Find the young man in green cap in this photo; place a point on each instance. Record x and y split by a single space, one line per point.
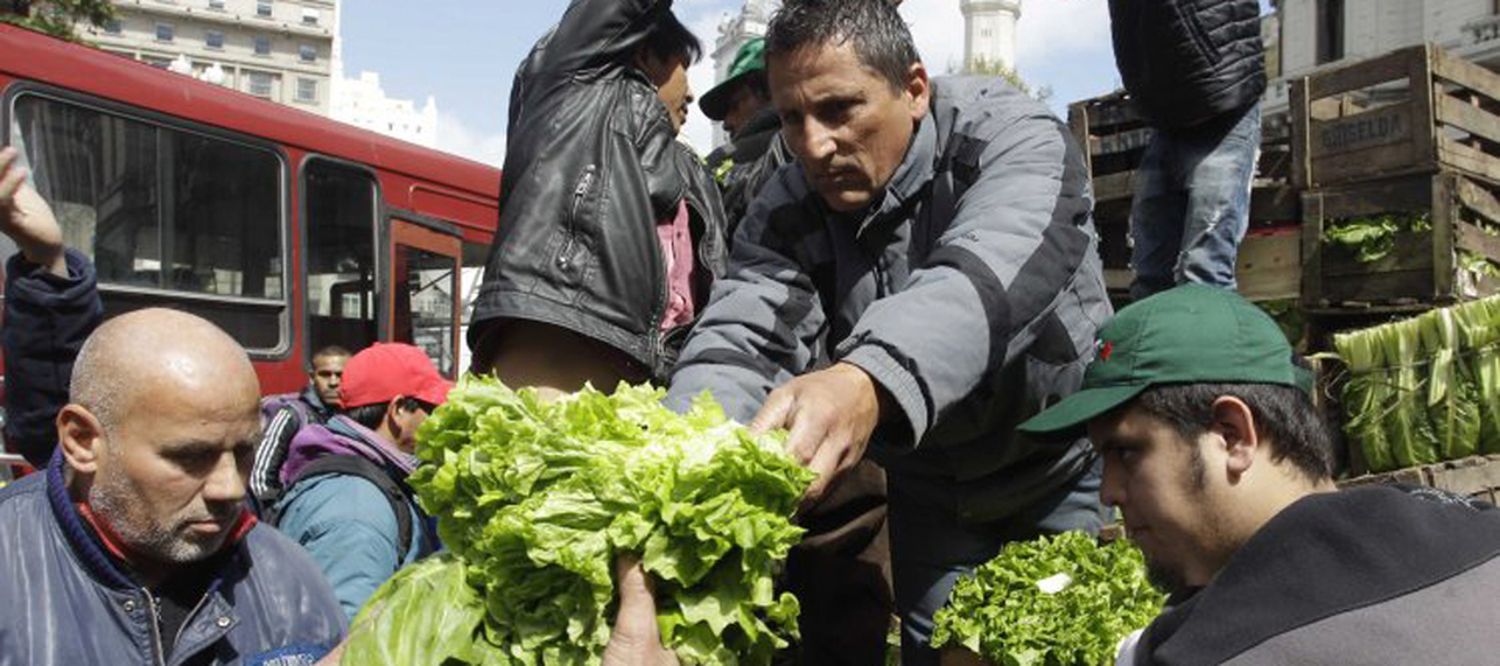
742 103
1222 469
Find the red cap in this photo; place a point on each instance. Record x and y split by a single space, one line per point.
388 369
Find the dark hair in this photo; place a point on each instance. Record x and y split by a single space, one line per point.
669 38
875 29
331 350
371 415
1283 414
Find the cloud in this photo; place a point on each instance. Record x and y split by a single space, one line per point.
457 137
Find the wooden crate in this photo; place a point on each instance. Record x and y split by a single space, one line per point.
1423 268
1475 476
1414 110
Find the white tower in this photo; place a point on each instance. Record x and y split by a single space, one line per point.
990 32
734 31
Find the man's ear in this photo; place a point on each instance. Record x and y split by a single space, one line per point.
1234 422
81 437
918 91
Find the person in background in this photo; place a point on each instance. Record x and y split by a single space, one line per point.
607 238
920 280
742 102
346 499
1196 70
286 415
137 534
51 307
1222 469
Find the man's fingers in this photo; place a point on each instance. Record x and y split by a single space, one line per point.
10 184
828 463
808 430
773 414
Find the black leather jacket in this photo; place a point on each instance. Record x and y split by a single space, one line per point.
1186 62
591 165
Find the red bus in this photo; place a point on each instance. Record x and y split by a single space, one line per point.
289 230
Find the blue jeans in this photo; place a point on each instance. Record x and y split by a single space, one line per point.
1192 204
931 548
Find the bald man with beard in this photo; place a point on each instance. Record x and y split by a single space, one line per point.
134 544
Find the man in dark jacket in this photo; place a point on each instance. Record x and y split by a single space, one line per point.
923 278
136 536
742 102
51 306
1196 69
607 240
314 405
1222 466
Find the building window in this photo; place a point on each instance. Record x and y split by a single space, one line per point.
309 16
164 32
1330 23
213 39
216 4
307 53
263 46
260 84
112 26
167 216
307 90
263 8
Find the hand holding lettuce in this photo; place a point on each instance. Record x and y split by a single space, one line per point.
537 499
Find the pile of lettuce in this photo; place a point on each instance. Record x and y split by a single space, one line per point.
1058 601
536 500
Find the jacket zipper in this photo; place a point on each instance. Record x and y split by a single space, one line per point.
565 258
199 606
158 651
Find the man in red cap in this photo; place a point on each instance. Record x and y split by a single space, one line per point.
347 501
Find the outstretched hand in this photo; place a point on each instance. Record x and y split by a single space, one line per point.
27 219
830 414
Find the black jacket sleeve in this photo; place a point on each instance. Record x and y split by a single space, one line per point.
47 318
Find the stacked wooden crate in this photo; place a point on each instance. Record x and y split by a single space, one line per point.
1411 138
1114 136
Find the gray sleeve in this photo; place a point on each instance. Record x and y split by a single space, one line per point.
759 328
1015 242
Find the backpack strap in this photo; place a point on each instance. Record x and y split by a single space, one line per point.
394 491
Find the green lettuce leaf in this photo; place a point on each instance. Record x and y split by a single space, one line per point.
1060 600
537 499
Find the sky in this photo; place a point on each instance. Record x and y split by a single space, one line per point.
464 52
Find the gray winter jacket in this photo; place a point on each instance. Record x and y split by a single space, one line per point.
67 603
971 292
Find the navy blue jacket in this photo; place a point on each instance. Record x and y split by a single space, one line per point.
67 602
47 318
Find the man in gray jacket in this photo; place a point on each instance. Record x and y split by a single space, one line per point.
923 278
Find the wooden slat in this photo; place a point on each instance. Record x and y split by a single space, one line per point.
1114 186
1269 267
1468 117
1466 74
1415 285
1312 248
1368 164
1386 125
1423 117
1408 193
1473 239
1366 73
1301 167
1467 159
1444 217
1479 200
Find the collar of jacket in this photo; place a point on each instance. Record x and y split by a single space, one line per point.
910 182
322 409
93 553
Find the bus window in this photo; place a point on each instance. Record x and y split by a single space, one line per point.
168 216
340 256
425 286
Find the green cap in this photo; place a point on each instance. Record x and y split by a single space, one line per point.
1191 334
749 60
